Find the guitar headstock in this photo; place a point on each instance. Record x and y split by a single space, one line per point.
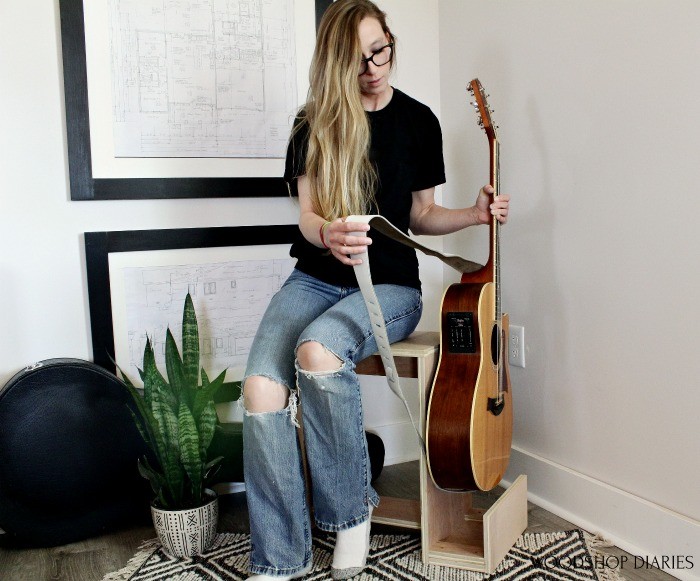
482 108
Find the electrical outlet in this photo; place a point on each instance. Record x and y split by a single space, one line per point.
516 345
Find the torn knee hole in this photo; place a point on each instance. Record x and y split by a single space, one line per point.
264 395
290 410
313 357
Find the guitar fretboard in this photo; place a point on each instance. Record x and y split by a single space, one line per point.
496 236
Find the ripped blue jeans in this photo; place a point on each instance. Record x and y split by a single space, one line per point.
306 309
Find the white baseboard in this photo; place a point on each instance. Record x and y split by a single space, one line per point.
645 530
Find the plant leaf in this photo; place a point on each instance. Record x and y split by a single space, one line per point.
123 376
154 381
155 478
207 393
218 382
168 447
209 465
207 425
211 470
151 475
144 420
189 450
150 375
140 425
190 344
173 365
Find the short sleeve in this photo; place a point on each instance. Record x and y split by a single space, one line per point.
429 162
295 163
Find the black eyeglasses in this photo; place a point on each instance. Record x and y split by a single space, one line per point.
379 57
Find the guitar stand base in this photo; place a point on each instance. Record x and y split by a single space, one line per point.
454 533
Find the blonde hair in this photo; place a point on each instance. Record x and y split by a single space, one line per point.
341 175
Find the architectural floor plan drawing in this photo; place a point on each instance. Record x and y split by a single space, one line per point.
202 78
229 300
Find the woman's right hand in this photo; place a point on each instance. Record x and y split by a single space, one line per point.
336 234
342 244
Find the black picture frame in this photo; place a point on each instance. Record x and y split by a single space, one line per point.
99 245
82 184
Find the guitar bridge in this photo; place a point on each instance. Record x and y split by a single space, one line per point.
495 405
460 332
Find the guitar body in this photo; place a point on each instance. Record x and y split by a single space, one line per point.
469 424
491 435
468 446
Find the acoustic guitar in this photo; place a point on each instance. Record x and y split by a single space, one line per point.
470 416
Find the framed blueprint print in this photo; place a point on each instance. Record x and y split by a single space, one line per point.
138 281
184 98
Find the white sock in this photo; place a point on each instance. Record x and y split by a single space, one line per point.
352 545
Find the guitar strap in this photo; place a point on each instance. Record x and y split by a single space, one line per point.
364 280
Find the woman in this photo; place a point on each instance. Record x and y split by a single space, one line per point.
359 146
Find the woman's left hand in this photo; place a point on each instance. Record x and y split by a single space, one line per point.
487 205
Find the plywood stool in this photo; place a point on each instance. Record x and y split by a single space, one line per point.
453 532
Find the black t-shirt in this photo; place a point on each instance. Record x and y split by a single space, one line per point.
406 149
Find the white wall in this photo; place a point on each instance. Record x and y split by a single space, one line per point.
600 132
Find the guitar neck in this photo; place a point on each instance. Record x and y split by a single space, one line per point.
491 272
495 229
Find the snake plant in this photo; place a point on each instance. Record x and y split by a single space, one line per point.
177 419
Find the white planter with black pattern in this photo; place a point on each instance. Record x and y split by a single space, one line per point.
188 532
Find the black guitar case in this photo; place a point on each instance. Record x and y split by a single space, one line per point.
68 452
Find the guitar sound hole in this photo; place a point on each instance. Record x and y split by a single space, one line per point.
494 344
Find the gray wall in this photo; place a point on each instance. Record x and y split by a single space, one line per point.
600 132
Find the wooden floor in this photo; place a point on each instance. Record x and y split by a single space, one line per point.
90 560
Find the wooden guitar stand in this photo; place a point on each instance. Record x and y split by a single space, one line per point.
453 532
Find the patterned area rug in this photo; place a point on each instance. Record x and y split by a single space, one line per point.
558 555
